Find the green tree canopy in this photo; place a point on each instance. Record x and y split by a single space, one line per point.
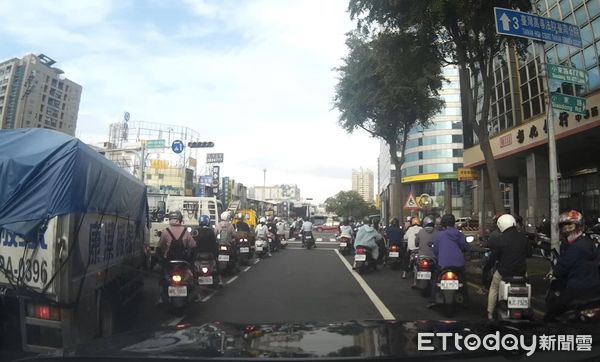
349 203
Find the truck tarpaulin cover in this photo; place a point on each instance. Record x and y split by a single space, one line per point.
45 173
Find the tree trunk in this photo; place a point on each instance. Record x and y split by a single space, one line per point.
492 171
398 196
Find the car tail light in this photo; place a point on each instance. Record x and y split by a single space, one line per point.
424 264
43 311
394 248
360 251
449 276
591 313
223 248
204 270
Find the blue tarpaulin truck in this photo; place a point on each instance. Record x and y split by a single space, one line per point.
73 238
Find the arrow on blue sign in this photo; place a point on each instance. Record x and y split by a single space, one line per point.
525 25
177 146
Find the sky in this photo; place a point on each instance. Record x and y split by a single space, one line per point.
256 77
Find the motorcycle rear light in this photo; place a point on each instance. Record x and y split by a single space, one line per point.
42 311
592 313
424 264
393 248
176 278
516 314
449 276
204 270
223 247
518 290
360 251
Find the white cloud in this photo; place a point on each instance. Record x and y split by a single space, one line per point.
254 76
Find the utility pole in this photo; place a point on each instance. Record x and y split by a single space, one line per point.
552 158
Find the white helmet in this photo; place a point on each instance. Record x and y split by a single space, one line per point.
225 216
263 220
506 221
240 216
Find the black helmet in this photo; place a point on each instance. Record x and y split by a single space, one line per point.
428 220
448 220
367 220
176 215
395 222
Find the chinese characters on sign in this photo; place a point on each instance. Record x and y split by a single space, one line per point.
563 102
214 158
467 174
520 136
566 74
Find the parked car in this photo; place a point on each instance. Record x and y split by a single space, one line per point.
466 222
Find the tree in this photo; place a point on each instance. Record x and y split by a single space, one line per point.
389 84
466 36
349 203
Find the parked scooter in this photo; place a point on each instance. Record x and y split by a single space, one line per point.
178 284
363 260
422 274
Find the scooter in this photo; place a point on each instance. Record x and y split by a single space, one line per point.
450 290
363 260
393 259
227 259
272 243
514 300
579 310
206 270
309 240
261 248
345 245
243 248
422 274
178 284
283 243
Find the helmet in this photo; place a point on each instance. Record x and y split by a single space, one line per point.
247 217
176 215
367 220
408 219
428 221
448 220
395 222
240 216
263 220
570 217
204 220
276 219
505 222
225 216
415 221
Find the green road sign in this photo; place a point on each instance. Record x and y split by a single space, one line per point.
155 144
566 74
563 102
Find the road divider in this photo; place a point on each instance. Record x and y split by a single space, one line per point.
381 308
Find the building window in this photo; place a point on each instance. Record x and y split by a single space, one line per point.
54 82
565 8
161 176
532 99
41 107
593 7
149 177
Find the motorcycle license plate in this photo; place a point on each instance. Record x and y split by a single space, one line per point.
394 254
343 245
244 250
223 257
178 291
360 257
205 280
518 302
449 285
423 275
259 248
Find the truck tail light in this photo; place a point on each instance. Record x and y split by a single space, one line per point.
43 311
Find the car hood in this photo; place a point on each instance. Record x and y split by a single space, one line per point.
363 339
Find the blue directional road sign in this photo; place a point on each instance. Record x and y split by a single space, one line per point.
177 146
525 25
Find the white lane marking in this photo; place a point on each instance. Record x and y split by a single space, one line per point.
383 310
231 280
256 261
208 297
332 239
328 249
480 288
319 239
246 269
175 321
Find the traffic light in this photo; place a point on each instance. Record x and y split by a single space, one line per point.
201 144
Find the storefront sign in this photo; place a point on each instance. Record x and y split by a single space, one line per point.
430 177
467 174
159 164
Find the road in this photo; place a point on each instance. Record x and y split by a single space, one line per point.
298 285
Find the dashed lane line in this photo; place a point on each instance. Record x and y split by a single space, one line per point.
175 321
383 310
231 280
246 269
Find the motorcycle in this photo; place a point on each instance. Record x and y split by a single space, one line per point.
227 259
364 260
345 245
261 248
308 240
450 290
243 248
422 273
579 310
283 243
272 242
178 282
514 300
393 259
206 270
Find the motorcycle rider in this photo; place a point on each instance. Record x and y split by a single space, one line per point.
577 266
272 227
176 243
448 247
306 229
261 232
225 233
409 243
345 230
368 237
394 233
380 241
241 225
280 229
425 236
510 249
206 242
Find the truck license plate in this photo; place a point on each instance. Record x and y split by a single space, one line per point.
343 245
244 250
423 275
360 257
518 302
205 280
223 257
394 254
178 291
449 285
